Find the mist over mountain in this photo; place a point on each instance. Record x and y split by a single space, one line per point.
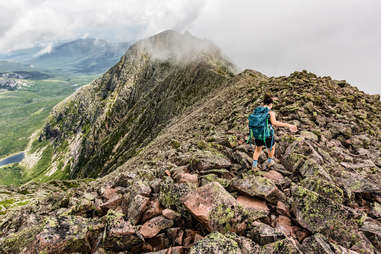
151 158
80 56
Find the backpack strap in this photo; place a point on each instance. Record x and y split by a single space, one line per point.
250 136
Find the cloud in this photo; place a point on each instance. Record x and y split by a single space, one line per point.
47 50
336 38
25 23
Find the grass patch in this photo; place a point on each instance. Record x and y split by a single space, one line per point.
11 174
24 111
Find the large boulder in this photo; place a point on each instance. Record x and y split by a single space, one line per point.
218 210
258 186
323 215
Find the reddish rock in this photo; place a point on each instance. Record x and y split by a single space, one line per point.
136 208
257 186
159 242
253 203
114 202
175 235
275 176
198 237
176 250
282 209
108 192
152 227
283 223
300 233
170 214
147 247
153 210
187 178
121 228
211 202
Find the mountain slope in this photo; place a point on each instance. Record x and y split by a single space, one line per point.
78 56
108 121
189 190
82 55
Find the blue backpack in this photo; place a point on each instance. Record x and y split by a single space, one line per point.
259 124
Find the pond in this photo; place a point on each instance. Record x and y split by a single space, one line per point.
12 159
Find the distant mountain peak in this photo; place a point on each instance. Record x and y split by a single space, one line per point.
175 45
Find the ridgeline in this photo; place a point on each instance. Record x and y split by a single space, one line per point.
162 135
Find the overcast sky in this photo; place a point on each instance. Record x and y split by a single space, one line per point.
339 38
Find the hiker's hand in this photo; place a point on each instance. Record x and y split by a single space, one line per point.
292 128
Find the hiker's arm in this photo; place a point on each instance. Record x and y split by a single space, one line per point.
274 122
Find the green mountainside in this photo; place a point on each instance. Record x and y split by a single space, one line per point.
163 132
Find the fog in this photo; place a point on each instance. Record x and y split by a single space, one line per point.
337 38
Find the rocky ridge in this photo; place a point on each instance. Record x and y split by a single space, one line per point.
111 120
189 189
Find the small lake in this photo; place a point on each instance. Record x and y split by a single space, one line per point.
12 159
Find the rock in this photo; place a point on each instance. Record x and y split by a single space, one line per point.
254 204
275 177
282 209
175 235
257 186
170 214
136 208
189 237
317 243
159 242
140 188
218 210
207 160
264 234
216 243
172 194
114 202
187 178
357 183
372 230
243 159
152 227
323 215
375 210
213 178
309 136
153 210
325 188
283 224
285 246
300 233
66 233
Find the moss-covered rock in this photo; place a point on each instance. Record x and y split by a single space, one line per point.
216 243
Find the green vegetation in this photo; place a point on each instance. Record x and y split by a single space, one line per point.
23 111
10 174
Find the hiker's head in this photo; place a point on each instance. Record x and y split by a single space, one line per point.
268 100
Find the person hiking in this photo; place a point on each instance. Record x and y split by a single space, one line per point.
261 123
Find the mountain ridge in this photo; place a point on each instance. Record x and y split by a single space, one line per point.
188 189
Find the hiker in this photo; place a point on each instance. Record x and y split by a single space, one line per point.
261 123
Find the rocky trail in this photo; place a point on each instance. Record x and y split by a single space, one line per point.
190 189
